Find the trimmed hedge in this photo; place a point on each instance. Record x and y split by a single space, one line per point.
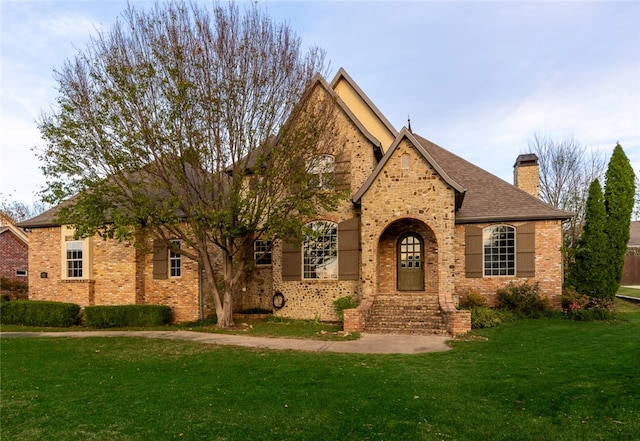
126 316
39 313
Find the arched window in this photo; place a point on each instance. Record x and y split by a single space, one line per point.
405 162
321 167
499 250
320 251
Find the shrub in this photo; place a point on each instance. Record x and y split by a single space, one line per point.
524 299
13 289
483 317
473 299
126 316
586 309
342 303
39 313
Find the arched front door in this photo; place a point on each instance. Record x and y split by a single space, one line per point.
410 263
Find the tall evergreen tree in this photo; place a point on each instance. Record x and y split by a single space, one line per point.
619 194
590 272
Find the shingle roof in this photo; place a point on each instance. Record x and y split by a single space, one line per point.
46 218
487 197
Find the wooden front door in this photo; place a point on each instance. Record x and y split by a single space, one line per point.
410 263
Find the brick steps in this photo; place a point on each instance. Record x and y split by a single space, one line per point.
405 314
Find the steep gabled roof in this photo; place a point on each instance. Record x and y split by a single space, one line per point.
489 198
362 97
404 133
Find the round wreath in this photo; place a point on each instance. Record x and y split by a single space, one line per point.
278 300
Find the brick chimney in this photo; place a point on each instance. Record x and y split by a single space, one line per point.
526 174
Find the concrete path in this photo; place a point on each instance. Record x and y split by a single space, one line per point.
366 344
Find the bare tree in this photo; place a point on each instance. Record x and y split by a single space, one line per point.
567 169
19 211
193 126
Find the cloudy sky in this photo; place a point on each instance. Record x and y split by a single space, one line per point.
478 78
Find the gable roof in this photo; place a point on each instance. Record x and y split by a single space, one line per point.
404 133
343 76
489 198
8 226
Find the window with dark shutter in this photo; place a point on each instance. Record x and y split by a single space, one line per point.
349 249
160 257
473 251
526 250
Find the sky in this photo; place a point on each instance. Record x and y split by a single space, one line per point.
477 78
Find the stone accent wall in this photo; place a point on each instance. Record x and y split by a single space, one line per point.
549 265
417 193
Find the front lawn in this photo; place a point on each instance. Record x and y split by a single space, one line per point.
549 379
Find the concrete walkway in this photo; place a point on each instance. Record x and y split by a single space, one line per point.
366 344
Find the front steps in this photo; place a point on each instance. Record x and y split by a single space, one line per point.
402 313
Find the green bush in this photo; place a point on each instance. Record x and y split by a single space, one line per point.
473 299
126 316
523 299
342 303
39 313
483 317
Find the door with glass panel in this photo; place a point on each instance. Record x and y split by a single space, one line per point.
410 263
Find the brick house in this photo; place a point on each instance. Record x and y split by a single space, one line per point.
421 228
14 248
631 270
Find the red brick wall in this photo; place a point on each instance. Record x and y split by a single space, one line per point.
13 256
548 271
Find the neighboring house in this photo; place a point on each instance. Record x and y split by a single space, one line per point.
421 228
631 272
14 248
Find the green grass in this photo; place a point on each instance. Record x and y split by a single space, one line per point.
549 379
255 327
631 292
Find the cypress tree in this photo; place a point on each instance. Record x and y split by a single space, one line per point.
590 272
619 194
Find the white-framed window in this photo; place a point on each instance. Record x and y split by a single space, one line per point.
322 168
499 250
320 251
262 252
175 260
74 259
21 273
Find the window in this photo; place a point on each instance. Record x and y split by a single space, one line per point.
21 273
410 252
262 252
320 251
321 167
175 260
405 162
499 251
74 259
